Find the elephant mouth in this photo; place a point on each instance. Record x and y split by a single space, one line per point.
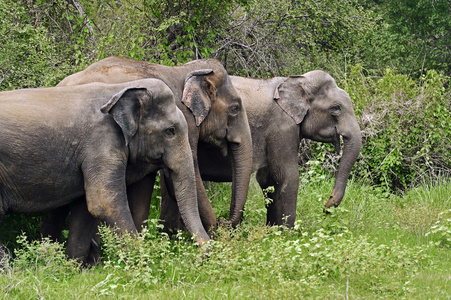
216 139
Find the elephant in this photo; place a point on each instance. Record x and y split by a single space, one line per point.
215 115
82 145
281 112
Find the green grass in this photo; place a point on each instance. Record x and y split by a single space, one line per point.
374 246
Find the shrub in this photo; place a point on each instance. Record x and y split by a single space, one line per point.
406 129
35 50
150 257
44 255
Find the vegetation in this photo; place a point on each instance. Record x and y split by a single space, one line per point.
391 236
371 247
405 126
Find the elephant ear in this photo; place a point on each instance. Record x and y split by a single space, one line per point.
199 93
125 108
292 96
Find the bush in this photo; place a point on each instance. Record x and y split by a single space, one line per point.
405 126
43 255
146 256
35 50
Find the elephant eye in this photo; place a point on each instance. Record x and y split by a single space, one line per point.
335 110
234 109
170 131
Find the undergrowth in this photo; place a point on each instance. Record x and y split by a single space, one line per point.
366 248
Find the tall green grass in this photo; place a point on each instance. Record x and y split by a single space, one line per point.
373 246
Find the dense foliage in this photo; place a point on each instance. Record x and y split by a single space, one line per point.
406 129
43 41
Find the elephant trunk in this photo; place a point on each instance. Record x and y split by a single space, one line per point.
241 174
351 150
182 175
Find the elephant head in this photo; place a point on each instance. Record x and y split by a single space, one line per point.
324 113
156 132
220 115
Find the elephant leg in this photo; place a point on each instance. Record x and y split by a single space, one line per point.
284 173
282 210
265 181
82 226
53 224
139 195
274 209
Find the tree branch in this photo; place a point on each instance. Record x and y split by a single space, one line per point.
86 19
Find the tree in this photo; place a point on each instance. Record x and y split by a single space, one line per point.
269 38
169 32
36 39
423 27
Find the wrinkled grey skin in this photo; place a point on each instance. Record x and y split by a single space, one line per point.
59 144
216 118
281 112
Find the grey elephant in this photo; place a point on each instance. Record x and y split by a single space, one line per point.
216 118
281 112
63 143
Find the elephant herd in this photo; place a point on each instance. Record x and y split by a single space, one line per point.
90 148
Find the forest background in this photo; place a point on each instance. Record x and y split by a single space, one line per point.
392 57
